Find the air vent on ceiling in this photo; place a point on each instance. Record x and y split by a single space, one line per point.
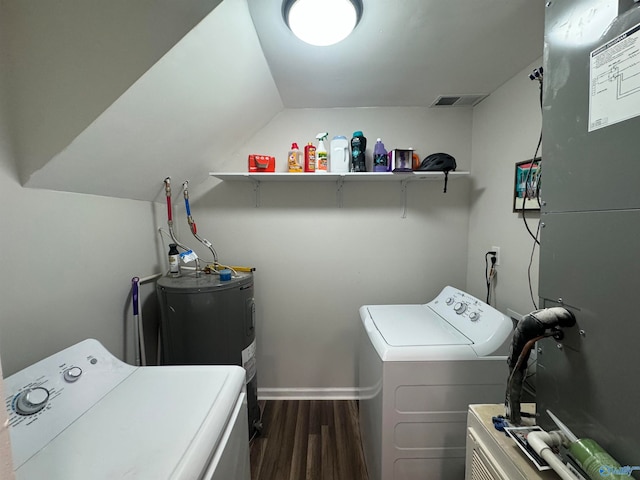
458 100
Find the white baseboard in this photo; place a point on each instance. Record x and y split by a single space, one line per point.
308 393
515 315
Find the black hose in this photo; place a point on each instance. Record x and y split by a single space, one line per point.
529 330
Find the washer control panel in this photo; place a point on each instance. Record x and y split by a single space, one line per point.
481 323
30 400
45 398
462 304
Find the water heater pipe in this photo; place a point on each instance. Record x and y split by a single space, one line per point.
193 227
542 442
167 189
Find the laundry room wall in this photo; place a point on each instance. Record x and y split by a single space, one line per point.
506 130
67 261
77 58
6 462
318 263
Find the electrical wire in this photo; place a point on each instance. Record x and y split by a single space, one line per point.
525 351
489 273
527 188
536 75
258 425
533 249
527 383
217 265
192 224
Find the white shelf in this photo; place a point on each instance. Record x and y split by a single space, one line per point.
403 178
335 177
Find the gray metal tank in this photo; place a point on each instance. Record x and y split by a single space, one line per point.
205 321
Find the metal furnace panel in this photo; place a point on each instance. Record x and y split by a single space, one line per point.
590 261
582 170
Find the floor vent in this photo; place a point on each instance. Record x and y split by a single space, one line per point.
458 100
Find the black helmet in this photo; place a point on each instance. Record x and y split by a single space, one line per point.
438 162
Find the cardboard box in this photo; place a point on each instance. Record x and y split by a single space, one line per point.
262 163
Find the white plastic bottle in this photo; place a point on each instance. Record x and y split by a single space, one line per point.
322 158
339 155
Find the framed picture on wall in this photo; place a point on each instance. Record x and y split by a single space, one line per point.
527 184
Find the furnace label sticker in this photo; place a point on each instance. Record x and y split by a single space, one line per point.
614 80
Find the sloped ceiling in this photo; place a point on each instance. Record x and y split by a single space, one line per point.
133 92
181 118
66 61
404 52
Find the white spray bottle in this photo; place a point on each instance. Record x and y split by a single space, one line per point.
322 160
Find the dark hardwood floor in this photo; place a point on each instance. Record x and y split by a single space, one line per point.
308 440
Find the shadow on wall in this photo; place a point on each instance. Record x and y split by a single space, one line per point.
475 195
420 195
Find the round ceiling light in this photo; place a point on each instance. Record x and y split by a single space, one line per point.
322 22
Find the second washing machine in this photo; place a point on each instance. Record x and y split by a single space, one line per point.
420 366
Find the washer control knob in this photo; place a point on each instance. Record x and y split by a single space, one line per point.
460 308
31 401
72 374
474 316
449 300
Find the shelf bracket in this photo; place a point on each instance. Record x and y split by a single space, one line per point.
256 192
403 191
339 184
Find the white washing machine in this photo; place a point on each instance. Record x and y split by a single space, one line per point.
83 414
420 366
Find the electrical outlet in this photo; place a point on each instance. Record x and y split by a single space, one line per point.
497 250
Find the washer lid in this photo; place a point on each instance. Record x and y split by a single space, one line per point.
414 325
159 423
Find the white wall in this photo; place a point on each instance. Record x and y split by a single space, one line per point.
317 263
71 256
506 130
182 115
67 261
6 462
70 60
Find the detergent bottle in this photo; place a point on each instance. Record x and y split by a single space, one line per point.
380 158
339 155
310 158
294 159
322 158
174 260
358 147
